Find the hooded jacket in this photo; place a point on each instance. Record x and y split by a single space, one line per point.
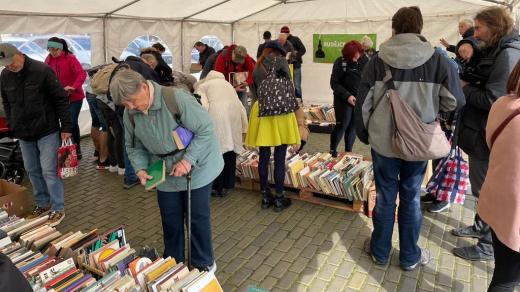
495 67
225 65
34 101
70 73
424 79
218 96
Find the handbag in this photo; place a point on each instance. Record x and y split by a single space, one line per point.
413 139
276 94
67 159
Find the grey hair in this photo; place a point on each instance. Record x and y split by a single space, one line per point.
126 82
468 22
151 59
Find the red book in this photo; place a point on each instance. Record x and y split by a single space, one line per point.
60 277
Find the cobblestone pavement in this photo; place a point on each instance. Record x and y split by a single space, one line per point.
305 248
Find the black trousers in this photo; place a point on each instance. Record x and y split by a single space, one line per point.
344 128
116 135
507 267
226 179
279 167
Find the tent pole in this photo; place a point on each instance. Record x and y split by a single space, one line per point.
233 33
182 45
205 9
122 7
105 47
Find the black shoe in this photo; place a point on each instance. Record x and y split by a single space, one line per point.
129 185
334 153
223 193
96 154
281 202
267 199
472 253
468 231
438 207
428 198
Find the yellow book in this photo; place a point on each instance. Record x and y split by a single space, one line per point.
295 168
163 268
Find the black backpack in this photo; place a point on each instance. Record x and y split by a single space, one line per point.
276 94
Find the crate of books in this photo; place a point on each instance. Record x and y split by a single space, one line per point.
342 182
320 118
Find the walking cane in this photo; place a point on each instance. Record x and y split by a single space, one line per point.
188 216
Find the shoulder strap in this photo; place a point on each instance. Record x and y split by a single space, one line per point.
502 126
168 93
388 80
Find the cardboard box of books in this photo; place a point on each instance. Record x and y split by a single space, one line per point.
14 198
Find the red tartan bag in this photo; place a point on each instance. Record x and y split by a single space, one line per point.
67 159
450 179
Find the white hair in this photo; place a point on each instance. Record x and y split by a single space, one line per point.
126 82
467 21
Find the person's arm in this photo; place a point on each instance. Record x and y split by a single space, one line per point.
299 47
5 101
451 97
137 153
197 120
365 100
78 72
59 98
496 84
451 48
220 65
336 81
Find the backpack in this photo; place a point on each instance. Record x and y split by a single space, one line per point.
276 94
413 139
101 79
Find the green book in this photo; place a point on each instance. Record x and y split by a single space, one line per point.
158 173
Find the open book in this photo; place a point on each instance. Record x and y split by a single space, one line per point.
238 78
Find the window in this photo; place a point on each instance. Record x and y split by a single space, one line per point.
210 40
35 45
146 41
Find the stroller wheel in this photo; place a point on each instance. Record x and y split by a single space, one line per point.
15 175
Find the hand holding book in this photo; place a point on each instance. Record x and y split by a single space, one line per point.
181 168
143 176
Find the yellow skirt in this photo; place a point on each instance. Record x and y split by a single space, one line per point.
272 130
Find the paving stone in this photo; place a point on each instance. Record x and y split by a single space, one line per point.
311 231
296 233
261 273
393 274
357 281
299 265
302 242
390 287
371 288
444 277
234 265
287 280
280 269
255 261
268 283
376 276
240 276
479 284
345 269
279 236
427 282
336 257
309 251
292 255
408 284
307 276
267 248
285 245
249 252
447 261
298 287
327 272
318 261
273 259
318 286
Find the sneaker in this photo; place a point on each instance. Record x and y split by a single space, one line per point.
103 165
120 171
468 231
129 185
438 207
423 261
472 253
428 198
55 217
209 269
267 199
368 251
113 168
37 212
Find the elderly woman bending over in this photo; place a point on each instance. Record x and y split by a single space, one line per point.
149 124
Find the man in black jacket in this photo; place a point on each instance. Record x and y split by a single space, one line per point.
37 109
501 49
205 52
299 51
466 30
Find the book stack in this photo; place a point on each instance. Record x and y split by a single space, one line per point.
87 261
320 114
347 176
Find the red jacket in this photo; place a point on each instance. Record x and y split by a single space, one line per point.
70 73
225 59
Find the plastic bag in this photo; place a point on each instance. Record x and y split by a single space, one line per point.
67 159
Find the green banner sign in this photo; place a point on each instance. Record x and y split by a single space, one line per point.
327 47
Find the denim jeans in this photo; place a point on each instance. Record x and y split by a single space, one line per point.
393 175
98 121
173 207
130 175
279 167
40 161
297 72
243 99
75 109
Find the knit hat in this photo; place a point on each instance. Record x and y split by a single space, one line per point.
240 54
285 29
7 52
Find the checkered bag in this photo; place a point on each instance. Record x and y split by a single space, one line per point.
450 178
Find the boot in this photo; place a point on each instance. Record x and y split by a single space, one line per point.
267 199
281 202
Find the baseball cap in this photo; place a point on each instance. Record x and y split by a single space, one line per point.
240 54
285 29
7 52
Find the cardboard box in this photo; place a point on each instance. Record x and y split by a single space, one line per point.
14 198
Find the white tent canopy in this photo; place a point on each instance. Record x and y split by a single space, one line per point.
113 24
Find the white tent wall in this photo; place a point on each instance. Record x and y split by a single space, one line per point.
193 31
316 76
